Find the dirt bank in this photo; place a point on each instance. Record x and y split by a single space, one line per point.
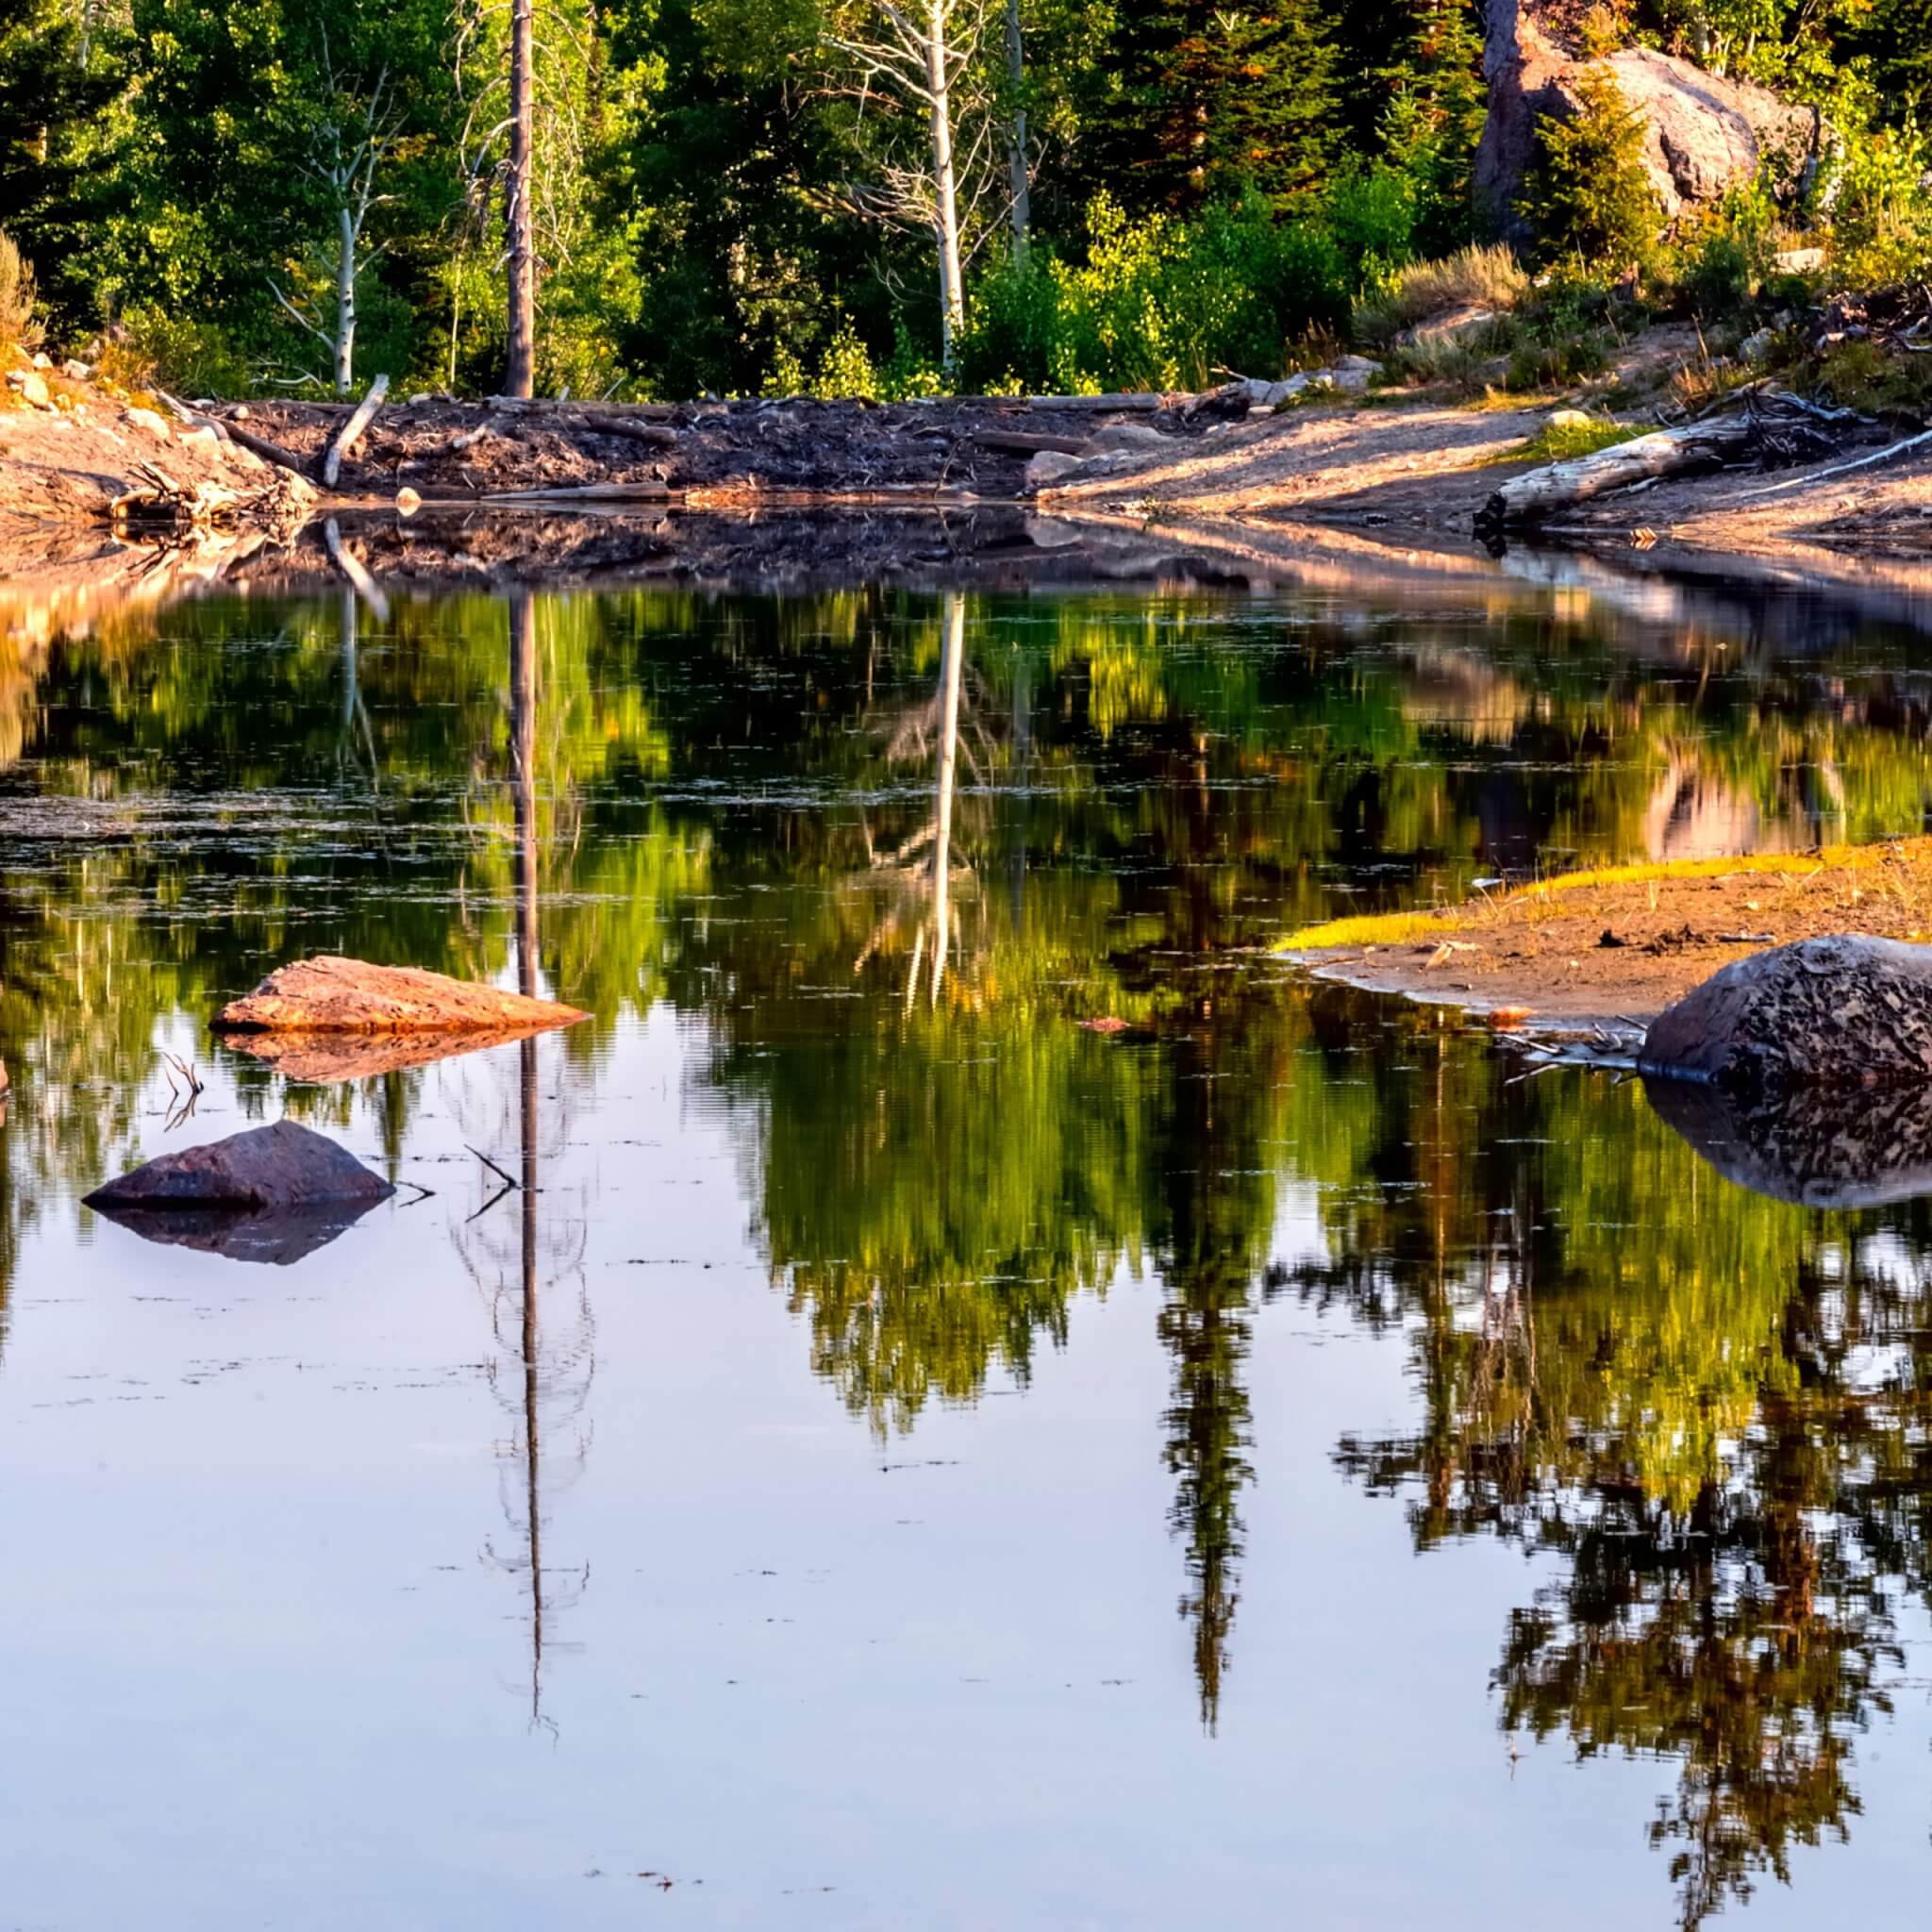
1626 942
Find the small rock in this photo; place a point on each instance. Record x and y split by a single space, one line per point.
41 359
202 435
1572 419
239 413
408 502
32 387
1048 466
1756 347
75 371
146 419
1116 436
1800 261
1354 373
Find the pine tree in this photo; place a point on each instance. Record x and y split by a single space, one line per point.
1435 119
1213 99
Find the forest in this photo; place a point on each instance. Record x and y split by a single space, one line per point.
672 198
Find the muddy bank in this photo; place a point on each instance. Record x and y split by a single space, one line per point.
1625 943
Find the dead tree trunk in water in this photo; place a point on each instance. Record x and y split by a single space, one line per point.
520 369
953 647
522 688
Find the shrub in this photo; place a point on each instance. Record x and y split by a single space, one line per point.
1881 214
1163 303
1588 197
189 359
1470 279
1723 256
17 323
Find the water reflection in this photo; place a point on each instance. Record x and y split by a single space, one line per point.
881 855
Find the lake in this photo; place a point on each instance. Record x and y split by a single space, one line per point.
968 1392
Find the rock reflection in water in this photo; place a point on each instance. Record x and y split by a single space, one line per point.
275 1237
1816 1146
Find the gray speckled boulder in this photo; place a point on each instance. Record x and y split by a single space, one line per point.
1843 1010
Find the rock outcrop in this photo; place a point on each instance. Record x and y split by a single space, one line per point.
1845 1010
335 996
1704 133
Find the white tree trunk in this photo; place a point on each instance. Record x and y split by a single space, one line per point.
346 307
946 210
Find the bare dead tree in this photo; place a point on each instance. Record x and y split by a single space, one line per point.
930 56
531 155
350 150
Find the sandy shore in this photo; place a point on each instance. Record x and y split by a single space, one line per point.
1622 944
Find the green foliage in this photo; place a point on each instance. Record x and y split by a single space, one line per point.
1881 211
1589 199
1558 442
1717 263
1167 303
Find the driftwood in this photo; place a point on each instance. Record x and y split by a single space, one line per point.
647 491
1541 494
657 434
351 431
233 432
163 505
1891 453
1029 441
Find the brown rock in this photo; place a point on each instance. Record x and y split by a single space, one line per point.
1704 133
332 996
1840 1011
283 1167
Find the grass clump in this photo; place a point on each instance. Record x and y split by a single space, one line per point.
1472 278
1562 442
17 323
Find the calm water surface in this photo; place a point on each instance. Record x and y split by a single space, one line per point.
899 1456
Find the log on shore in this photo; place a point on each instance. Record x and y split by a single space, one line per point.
1538 494
328 994
351 431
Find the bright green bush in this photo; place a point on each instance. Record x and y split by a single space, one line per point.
189 359
1166 303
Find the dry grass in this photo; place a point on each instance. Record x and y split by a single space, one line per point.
1470 279
17 323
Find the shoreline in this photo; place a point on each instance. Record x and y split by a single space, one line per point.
1617 944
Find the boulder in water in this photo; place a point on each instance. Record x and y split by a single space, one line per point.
282 1167
1847 1009
334 995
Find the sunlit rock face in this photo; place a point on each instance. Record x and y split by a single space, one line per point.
1704 133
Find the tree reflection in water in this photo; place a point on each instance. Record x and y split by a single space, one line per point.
755 810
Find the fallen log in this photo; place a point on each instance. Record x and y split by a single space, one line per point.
351 431
1541 494
1029 441
649 492
1891 453
328 994
656 435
